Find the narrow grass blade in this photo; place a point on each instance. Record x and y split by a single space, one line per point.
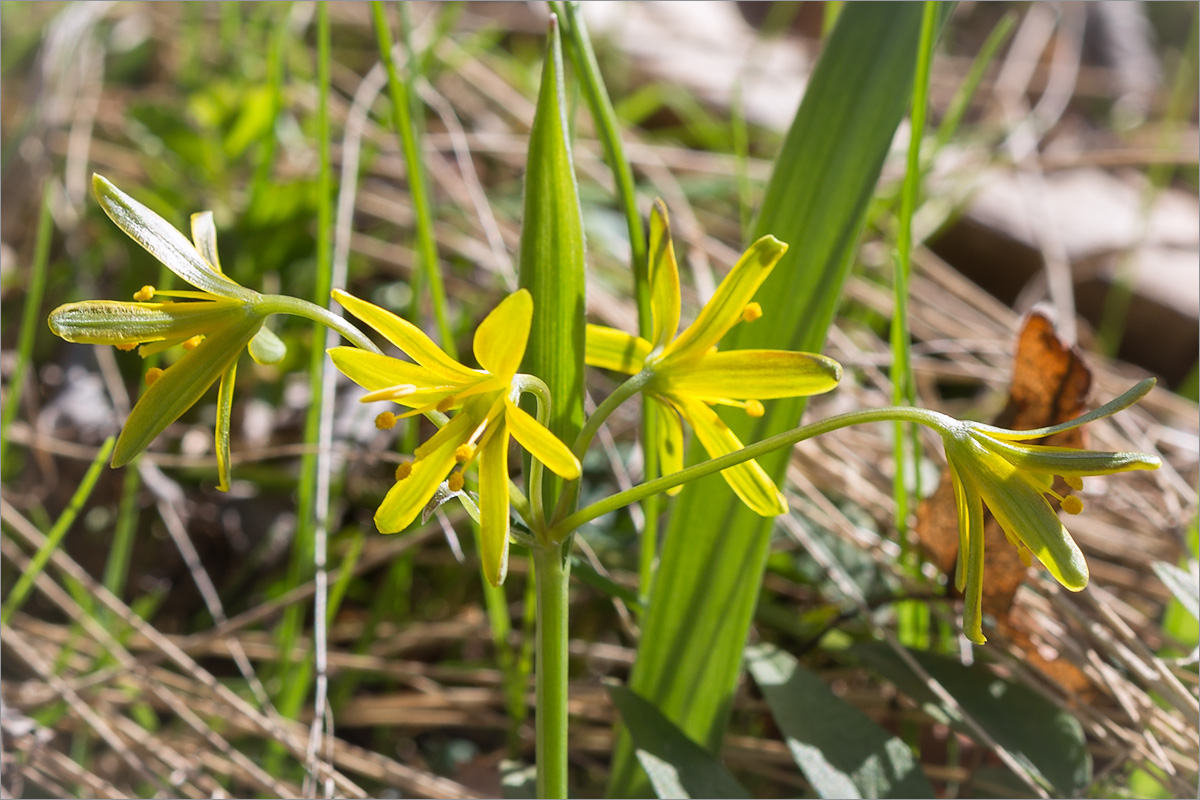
551 256
715 550
54 538
1181 584
841 750
677 766
32 313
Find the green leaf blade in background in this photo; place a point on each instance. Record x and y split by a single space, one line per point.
551 254
677 766
1045 739
845 754
715 550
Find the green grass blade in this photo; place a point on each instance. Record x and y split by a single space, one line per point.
551 255
404 118
54 538
33 304
715 550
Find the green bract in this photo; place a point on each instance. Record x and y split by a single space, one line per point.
993 466
487 414
214 324
689 375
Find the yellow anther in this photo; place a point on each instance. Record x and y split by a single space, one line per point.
1072 504
153 374
144 294
445 404
191 343
455 482
464 453
1024 555
403 470
751 312
754 408
127 347
385 421
1074 481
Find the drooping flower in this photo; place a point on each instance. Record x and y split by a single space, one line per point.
996 467
221 318
689 375
486 401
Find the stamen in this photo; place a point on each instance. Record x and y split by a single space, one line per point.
1024 554
1074 481
445 404
144 294
403 470
464 453
385 421
193 342
390 393
126 347
751 312
754 408
153 374
1072 504
455 482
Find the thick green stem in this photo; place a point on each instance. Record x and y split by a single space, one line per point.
551 572
565 526
283 304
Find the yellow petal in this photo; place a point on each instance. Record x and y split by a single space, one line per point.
725 308
664 277
224 412
964 527
409 338
1066 460
164 242
750 374
609 348
748 480
180 387
204 235
541 443
117 322
406 498
669 430
1024 513
500 339
970 511
375 372
493 503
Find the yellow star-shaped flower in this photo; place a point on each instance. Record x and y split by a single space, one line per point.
689 375
486 401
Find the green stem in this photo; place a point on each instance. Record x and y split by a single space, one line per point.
562 528
284 304
551 572
538 388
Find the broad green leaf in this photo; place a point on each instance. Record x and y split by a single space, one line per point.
551 255
1046 740
1181 584
715 551
841 750
677 766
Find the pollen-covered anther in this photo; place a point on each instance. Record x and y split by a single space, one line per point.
455 482
153 374
1072 504
127 346
464 453
1074 481
385 421
194 342
144 294
403 470
445 404
751 312
754 408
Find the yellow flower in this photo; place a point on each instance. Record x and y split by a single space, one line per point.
993 466
688 375
487 415
223 318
